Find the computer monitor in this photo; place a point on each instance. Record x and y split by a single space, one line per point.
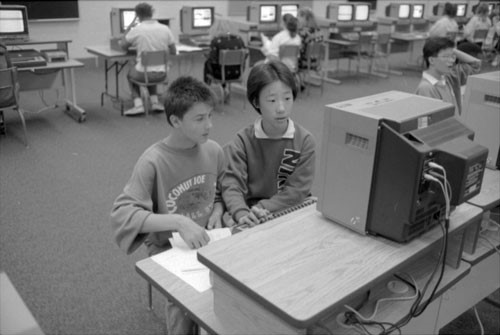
377 153
196 20
399 11
362 12
13 23
268 13
121 19
289 9
340 12
461 10
418 11
481 112
404 11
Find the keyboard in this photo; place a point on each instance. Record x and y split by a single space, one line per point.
26 58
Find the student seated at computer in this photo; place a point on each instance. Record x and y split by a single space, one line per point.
444 76
288 36
148 35
222 39
478 21
447 24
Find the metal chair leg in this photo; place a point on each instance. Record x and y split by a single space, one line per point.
150 297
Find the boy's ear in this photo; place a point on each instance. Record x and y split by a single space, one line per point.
175 121
255 104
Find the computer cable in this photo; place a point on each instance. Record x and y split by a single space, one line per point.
479 321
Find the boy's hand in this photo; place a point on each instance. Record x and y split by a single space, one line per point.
259 212
194 235
214 221
253 217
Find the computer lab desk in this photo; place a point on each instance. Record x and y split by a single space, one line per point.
292 273
118 59
41 77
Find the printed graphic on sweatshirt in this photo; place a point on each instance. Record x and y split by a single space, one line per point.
194 197
288 163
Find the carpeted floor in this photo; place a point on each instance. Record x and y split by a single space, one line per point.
55 196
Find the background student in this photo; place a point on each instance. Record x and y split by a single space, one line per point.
148 35
446 25
444 76
174 184
479 20
288 36
222 39
271 162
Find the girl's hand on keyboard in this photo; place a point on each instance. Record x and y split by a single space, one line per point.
259 212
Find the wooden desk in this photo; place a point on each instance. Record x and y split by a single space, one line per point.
117 59
38 77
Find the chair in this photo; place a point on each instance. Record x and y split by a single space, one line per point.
289 54
362 50
479 35
151 58
315 53
227 57
381 49
9 96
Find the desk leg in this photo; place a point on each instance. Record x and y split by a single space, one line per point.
71 107
118 68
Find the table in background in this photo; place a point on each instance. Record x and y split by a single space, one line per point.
118 59
42 77
411 38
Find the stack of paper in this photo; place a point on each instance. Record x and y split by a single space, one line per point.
182 261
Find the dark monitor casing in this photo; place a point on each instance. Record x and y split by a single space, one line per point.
187 22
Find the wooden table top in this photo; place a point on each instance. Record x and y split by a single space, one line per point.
302 265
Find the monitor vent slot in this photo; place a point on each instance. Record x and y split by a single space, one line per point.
492 100
356 141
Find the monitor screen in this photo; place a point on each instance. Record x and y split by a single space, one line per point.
267 14
289 9
404 11
461 10
362 13
127 17
345 13
418 11
203 17
13 22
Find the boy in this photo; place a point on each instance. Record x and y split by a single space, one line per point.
148 35
174 184
444 77
271 162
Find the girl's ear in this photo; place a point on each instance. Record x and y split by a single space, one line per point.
255 103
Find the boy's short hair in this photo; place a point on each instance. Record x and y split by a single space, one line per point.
143 10
450 9
264 74
183 93
434 45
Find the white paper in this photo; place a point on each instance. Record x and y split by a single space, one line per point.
182 261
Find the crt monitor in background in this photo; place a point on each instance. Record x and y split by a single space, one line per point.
267 13
461 10
196 20
289 9
203 17
14 23
418 11
404 11
362 12
345 13
121 19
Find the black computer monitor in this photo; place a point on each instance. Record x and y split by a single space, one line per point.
289 9
121 19
14 23
362 12
461 10
418 11
196 20
268 13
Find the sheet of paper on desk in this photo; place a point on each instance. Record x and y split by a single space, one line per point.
182 261
186 48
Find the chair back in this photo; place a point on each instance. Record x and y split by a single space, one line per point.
479 35
315 52
365 42
8 83
232 58
289 54
382 44
153 58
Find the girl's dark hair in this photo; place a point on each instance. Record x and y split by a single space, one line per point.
183 93
264 74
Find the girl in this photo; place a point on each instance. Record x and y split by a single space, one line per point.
271 162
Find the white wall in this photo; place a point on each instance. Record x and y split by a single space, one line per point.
93 27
